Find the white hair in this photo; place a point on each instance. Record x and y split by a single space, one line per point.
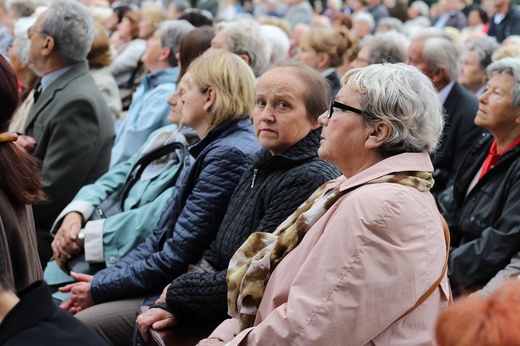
278 41
405 99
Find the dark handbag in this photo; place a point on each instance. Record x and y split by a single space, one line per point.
114 203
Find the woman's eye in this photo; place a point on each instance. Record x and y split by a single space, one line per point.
260 103
283 105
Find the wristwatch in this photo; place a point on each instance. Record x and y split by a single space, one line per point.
81 239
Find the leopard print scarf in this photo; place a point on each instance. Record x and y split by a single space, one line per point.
252 264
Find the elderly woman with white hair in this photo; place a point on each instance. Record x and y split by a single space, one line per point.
484 206
363 260
245 38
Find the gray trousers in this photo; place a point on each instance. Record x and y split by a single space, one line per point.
114 321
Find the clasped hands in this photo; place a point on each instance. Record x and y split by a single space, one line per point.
65 243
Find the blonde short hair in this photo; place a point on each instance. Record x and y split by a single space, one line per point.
232 80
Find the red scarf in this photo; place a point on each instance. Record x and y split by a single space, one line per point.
493 156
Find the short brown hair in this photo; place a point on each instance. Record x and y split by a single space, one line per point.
317 92
99 55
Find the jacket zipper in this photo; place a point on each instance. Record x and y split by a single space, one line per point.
254 177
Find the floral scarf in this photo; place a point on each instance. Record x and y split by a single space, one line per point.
252 264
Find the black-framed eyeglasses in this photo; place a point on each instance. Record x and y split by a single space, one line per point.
336 104
31 31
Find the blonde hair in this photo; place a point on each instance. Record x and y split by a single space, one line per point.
153 13
232 80
333 42
509 51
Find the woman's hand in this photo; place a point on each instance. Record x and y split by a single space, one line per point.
65 243
80 298
27 143
155 318
211 342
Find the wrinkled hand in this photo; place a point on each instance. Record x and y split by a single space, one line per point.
65 243
27 143
80 298
162 298
155 318
211 342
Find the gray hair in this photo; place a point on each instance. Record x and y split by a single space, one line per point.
421 7
22 8
440 51
390 47
172 32
392 24
405 99
484 47
279 42
364 17
71 26
245 37
510 66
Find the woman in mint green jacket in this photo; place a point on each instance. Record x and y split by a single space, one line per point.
106 240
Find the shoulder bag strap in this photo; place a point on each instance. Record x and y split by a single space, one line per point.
148 158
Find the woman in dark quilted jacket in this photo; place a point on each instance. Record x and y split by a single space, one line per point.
217 101
289 98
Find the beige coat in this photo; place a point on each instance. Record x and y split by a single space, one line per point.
358 270
18 249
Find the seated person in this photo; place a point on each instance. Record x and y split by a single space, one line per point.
363 260
218 99
31 318
106 240
483 206
20 186
389 47
127 49
324 50
148 109
289 99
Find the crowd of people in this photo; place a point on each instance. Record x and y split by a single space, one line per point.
259 173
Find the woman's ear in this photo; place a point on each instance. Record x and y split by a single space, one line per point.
211 96
324 60
378 133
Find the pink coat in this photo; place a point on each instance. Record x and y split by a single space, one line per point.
358 270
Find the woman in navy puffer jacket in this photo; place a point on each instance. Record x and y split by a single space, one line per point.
219 96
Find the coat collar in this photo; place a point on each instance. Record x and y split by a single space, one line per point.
416 162
35 305
61 83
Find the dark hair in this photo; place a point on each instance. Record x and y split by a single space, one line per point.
196 18
19 178
482 14
193 44
120 11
